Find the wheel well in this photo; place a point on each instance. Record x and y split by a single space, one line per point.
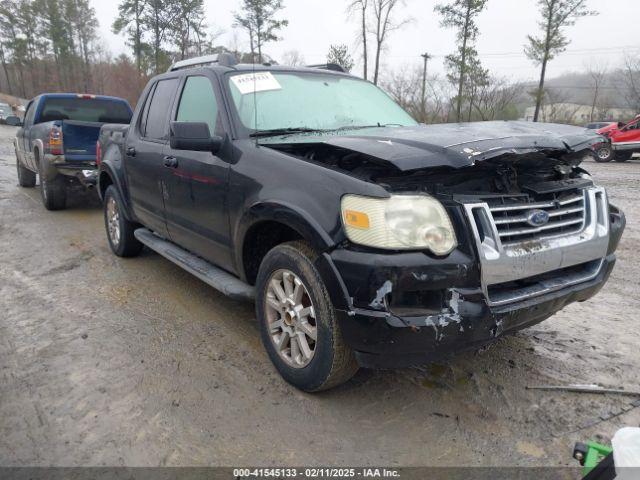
259 240
104 182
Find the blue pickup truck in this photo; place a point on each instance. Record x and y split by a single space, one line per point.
57 141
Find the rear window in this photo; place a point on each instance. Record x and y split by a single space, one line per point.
85 110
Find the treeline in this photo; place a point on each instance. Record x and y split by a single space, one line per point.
53 45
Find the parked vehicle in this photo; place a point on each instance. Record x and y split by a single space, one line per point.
5 111
364 238
623 141
58 141
599 125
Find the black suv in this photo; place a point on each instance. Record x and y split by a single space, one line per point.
365 238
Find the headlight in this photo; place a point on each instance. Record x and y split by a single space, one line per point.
401 222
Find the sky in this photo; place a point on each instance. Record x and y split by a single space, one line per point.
316 24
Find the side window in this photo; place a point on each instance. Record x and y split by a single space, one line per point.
31 111
158 114
198 103
145 111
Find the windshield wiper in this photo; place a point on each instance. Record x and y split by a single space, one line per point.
364 127
283 131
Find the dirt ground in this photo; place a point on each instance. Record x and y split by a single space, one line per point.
105 361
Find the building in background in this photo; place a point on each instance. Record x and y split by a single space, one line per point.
578 114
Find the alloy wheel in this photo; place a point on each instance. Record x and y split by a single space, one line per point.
291 318
604 153
113 221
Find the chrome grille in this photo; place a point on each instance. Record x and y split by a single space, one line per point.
567 215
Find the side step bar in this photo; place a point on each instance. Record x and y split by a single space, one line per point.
217 278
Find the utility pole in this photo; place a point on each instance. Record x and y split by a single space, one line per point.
426 58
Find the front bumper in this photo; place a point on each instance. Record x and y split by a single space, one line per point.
398 310
383 340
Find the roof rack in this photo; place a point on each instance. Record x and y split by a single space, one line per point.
334 67
224 59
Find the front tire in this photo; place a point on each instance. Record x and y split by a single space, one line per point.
298 322
604 154
120 231
26 178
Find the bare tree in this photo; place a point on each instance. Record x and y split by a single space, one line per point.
360 7
598 74
383 25
630 79
293 58
405 87
461 14
556 16
497 99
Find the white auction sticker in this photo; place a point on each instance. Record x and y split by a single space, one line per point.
256 82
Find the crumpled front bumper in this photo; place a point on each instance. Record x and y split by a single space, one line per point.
451 313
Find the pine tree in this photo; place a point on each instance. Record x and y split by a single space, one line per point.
556 16
460 15
258 19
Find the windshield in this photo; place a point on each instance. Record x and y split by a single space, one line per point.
99 110
312 101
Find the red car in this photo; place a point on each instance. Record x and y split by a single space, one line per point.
623 141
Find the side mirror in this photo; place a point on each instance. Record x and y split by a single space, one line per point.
193 136
13 120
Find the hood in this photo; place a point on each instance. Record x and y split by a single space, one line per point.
609 128
450 145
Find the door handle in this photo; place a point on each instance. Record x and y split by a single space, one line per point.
171 162
131 152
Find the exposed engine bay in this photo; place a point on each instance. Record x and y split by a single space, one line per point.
511 174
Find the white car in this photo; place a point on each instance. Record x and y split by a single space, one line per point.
5 111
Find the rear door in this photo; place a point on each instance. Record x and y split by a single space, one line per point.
196 206
144 148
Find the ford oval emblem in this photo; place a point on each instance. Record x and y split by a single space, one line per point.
537 218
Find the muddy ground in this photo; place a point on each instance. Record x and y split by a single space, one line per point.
105 361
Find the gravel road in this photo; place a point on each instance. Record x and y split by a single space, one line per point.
105 361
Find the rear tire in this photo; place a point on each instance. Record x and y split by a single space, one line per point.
54 192
120 231
604 154
26 178
623 156
312 355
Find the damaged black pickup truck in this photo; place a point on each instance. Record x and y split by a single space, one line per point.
365 238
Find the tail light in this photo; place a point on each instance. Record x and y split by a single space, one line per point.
98 153
55 141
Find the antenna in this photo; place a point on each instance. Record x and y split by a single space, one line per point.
255 101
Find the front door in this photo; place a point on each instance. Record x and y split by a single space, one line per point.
629 137
24 137
144 151
196 207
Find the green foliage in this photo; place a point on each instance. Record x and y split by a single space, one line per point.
258 19
463 66
555 16
460 15
339 54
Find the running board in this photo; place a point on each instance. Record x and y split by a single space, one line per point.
217 278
